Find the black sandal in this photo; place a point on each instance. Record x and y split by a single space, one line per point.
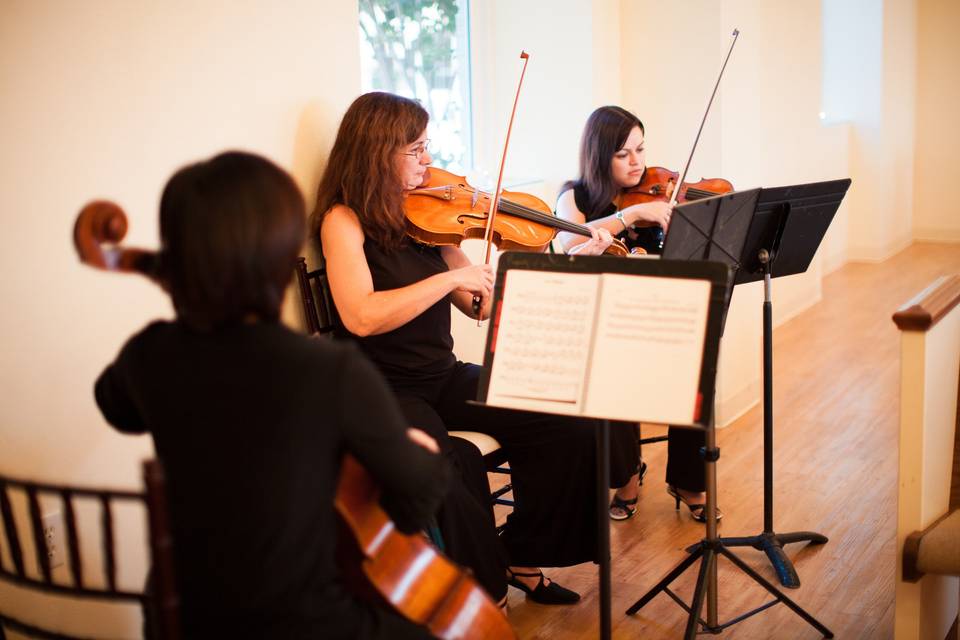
624 508
641 473
543 593
698 511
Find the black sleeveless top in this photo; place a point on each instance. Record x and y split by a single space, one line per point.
648 238
423 346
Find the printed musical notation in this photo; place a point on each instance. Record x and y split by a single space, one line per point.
600 344
544 337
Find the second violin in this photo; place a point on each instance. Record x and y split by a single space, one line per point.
659 183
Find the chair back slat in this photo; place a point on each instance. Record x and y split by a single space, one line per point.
73 542
109 560
160 551
39 540
161 547
318 310
10 530
306 297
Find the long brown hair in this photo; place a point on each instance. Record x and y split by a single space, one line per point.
606 130
362 170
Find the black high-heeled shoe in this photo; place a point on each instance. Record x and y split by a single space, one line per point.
698 511
621 509
543 593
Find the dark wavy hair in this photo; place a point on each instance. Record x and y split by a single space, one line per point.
362 173
606 130
230 228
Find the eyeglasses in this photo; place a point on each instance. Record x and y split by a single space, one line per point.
419 151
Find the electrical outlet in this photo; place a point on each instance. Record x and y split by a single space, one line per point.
54 537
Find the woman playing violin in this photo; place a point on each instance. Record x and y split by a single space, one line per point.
251 419
612 161
393 296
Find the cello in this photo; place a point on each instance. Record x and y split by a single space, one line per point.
389 568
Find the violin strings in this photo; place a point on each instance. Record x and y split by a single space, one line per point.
522 211
699 193
538 216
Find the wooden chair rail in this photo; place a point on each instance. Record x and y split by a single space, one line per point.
930 305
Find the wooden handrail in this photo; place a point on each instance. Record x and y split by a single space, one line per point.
930 305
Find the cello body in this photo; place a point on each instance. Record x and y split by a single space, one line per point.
405 572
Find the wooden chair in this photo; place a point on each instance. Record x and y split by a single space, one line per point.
161 600
319 319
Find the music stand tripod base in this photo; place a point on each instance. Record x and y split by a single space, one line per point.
707 551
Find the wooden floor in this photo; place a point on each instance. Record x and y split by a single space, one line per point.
836 372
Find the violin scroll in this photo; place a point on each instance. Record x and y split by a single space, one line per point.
99 228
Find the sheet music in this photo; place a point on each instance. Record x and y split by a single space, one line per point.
605 345
543 341
648 348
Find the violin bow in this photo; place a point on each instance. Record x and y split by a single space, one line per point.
495 200
683 176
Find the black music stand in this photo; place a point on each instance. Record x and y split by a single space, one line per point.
720 281
758 233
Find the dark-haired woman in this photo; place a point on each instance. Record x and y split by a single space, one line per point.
394 298
612 160
250 419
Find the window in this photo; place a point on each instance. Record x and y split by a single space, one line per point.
421 49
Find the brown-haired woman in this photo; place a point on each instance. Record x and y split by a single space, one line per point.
612 159
393 296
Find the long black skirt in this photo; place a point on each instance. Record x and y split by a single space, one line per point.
553 472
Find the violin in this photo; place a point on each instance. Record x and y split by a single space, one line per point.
446 210
659 183
400 571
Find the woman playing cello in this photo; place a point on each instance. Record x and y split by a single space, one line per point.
251 420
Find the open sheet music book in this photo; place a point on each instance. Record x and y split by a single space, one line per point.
605 345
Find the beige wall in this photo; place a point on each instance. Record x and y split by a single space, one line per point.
559 91
763 130
937 210
107 99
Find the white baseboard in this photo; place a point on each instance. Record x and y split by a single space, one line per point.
927 234
729 409
829 264
879 254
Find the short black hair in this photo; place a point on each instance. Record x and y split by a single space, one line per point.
231 228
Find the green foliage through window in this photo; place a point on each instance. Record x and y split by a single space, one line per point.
420 49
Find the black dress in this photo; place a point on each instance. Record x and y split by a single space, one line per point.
685 466
250 423
552 459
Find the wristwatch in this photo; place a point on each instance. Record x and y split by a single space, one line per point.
620 218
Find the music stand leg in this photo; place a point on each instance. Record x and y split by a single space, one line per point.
603 525
780 596
707 551
768 541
